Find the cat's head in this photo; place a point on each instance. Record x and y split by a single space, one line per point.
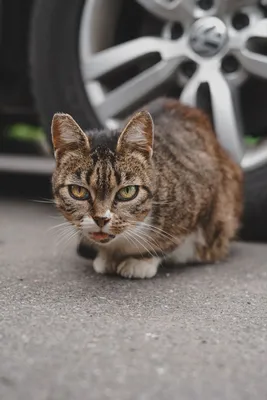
103 182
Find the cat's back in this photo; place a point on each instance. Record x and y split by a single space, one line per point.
181 128
185 140
191 166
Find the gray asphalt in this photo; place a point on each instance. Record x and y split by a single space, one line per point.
66 333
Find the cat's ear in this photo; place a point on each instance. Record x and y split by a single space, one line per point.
138 134
67 134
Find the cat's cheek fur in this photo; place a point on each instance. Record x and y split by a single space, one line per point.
138 269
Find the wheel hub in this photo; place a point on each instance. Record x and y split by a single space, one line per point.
208 36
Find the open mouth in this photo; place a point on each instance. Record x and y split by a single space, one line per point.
101 237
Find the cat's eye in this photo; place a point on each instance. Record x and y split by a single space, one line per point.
78 192
127 193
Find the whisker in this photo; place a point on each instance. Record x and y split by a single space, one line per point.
65 237
141 235
62 231
62 245
161 234
62 238
132 241
58 226
153 243
135 235
70 238
162 203
129 240
44 201
158 230
150 238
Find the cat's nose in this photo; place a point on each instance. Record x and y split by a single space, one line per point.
101 221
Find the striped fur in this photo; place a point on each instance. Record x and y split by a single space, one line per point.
189 188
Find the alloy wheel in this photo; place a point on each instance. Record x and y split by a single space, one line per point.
199 46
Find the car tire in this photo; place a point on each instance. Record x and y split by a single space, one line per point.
55 73
58 86
254 226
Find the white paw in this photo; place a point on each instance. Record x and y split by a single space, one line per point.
133 268
100 265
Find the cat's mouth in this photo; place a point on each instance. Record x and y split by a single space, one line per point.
101 237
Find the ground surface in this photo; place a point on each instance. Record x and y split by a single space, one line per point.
67 334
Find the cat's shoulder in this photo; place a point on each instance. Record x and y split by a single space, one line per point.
173 108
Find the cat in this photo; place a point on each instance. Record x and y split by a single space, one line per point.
160 188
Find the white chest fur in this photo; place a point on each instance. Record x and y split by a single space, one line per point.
186 252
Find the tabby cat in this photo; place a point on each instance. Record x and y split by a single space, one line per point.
162 188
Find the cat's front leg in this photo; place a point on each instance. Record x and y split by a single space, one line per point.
134 268
102 264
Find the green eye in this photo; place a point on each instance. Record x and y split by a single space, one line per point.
127 193
78 192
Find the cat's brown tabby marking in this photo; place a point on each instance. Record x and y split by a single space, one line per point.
155 190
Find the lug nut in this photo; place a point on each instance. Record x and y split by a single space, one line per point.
230 64
240 21
205 4
188 68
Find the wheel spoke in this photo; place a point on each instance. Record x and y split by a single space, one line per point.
190 93
170 10
115 57
252 61
225 109
135 90
226 115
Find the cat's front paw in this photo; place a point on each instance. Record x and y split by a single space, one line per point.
133 268
102 265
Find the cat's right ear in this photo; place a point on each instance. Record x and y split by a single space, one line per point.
67 135
138 133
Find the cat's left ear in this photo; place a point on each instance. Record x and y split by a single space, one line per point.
67 135
138 134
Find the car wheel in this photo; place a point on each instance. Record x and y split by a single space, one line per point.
99 60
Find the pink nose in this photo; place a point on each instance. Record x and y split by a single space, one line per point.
101 221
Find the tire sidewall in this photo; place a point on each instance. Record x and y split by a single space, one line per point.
55 70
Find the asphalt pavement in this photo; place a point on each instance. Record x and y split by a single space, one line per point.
66 333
